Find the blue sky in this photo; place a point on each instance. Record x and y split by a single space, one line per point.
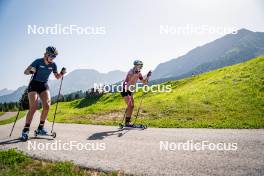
132 31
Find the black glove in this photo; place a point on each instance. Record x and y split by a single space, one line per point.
149 74
32 70
63 71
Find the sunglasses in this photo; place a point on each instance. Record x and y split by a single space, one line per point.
52 56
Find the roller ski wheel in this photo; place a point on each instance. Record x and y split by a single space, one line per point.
54 135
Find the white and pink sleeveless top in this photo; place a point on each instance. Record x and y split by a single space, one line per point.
134 77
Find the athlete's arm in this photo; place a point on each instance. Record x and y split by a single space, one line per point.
59 75
145 81
30 70
32 67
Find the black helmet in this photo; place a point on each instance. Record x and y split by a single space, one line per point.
138 62
51 50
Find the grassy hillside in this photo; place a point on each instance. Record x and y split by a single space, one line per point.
230 97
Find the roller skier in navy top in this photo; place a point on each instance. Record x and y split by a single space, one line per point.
38 88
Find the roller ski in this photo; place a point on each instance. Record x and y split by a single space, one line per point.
131 126
44 132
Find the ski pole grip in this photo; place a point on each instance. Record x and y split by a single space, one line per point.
149 74
63 71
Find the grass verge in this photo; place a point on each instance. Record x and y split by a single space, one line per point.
12 119
16 163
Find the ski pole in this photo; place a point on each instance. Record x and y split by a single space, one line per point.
14 122
19 107
56 105
142 96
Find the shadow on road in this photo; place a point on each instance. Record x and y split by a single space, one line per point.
17 140
47 138
102 135
118 133
12 141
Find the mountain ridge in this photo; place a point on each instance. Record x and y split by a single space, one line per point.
229 49
79 79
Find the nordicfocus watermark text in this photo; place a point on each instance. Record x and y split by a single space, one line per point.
59 29
190 29
66 146
190 145
132 88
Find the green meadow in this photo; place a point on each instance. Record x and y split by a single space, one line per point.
230 97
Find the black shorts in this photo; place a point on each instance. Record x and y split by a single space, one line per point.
125 93
36 86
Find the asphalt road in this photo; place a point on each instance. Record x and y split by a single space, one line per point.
140 152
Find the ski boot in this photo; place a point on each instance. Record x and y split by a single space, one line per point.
126 125
24 135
